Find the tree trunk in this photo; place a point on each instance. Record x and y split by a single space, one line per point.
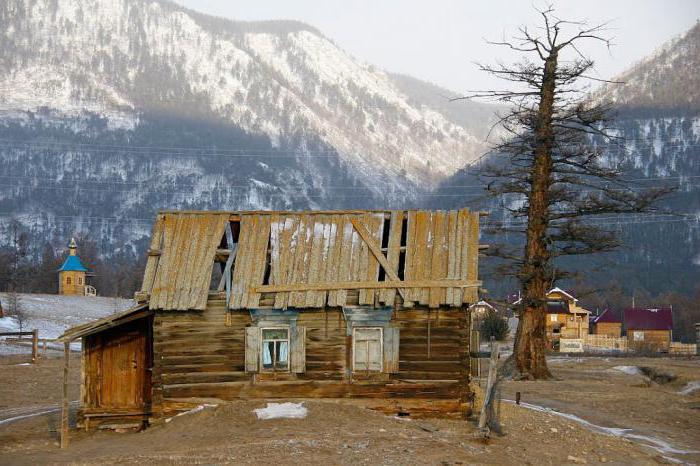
531 339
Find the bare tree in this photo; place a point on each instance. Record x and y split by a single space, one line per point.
13 307
553 178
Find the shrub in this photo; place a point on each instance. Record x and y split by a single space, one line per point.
494 326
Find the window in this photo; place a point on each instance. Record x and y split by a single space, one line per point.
80 281
67 280
367 348
275 349
638 336
552 317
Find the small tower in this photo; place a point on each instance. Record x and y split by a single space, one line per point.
71 275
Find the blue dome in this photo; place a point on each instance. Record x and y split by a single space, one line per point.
72 263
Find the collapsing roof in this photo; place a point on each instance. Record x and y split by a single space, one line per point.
312 259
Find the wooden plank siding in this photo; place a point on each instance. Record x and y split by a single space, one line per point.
201 354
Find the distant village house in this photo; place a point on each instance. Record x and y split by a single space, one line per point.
565 318
607 324
649 328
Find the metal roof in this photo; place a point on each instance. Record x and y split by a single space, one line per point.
73 264
607 317
648 319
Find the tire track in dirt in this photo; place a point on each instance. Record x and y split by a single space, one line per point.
10 415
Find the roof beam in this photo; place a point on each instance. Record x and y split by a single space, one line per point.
376 250
365 285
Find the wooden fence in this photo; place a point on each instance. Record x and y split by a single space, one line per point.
35 340
605 343
689 349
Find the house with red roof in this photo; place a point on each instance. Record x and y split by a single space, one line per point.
607 324
651 328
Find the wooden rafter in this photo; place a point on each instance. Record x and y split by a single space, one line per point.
376 250
365 285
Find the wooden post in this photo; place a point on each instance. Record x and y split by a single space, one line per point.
493 364
65 406
35 345
474 363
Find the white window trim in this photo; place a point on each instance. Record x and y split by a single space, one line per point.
381 348
289 348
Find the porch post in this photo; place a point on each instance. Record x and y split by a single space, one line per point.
65 405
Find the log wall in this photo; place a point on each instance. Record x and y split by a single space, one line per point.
200 354
653 339
611 329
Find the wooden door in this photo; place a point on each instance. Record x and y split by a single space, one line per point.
123 360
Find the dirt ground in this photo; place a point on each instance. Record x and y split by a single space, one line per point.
344 432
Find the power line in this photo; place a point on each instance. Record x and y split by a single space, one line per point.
149 182
606 220
245 190
181 150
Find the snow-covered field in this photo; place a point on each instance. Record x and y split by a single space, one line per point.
53 314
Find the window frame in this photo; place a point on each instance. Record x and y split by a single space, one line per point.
262 348
381 349
68 280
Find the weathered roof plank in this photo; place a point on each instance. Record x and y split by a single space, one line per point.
315 258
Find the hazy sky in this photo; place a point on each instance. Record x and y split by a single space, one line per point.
438 40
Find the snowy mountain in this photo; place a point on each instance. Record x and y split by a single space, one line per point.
658 118
283 80
668 80
118 108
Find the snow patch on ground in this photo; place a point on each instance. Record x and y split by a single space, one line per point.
562 360
9 324
690 387
654 443
53 314
282 410
629 370
193 410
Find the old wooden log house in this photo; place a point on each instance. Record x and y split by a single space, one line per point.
331 304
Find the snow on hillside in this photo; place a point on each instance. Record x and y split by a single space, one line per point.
121 57
53 314
666 79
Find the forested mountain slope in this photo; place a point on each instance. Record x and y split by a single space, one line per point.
658 120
